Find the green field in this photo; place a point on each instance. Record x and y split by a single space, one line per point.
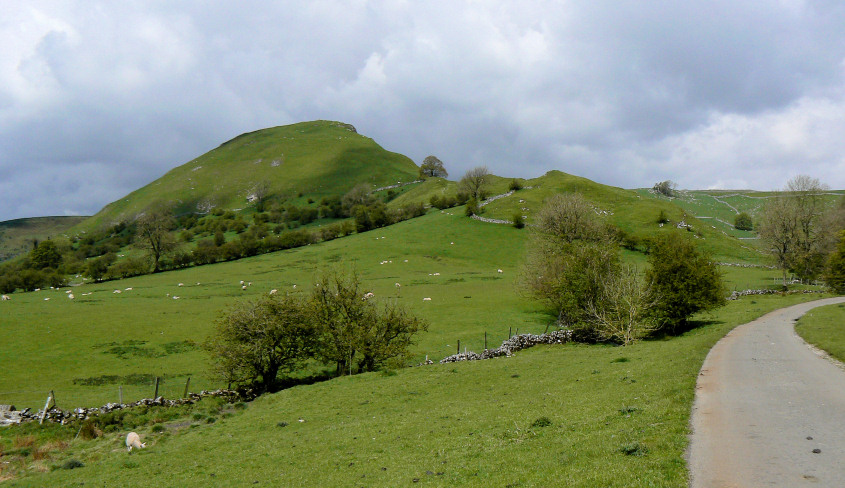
472 422
824 328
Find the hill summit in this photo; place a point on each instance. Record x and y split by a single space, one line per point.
316 158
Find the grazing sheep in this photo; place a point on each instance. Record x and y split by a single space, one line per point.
500 271
295 286
70 295
426 299
243 287
242 282
116 291
134 440
398 285
181 284
6 297
67 291
368 295
47 299
175 297
129 289
274 291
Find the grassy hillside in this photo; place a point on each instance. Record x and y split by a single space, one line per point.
16 236
310 158
613 416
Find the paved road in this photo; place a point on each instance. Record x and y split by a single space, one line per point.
764 402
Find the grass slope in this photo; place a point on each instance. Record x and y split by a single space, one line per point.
312 158
16 236
568 415
824 327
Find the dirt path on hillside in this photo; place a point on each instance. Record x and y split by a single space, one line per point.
768 410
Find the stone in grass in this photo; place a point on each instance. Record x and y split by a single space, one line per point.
817 451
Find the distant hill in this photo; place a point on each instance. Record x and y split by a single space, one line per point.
16 236
310 159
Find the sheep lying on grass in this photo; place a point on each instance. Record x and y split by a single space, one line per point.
134 440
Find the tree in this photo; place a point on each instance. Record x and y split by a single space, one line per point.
45 255
260 195
835 275
474 182
358 195
255 341
153 230
621 313
352 327
666 188
571 253
683 282
791 224
743 221
432 167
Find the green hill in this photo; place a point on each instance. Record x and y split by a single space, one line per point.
311 159
17 236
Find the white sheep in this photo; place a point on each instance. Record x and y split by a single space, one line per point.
47 299
116 291
134 440
426 299
70 295
243 287
242 282
368 295
129 289
6 297
500 271
181 284
274 291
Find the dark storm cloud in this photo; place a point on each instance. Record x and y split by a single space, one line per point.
97 99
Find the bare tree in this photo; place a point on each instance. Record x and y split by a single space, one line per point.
621 312
791 223
474 182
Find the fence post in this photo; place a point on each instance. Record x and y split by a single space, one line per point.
510 332
47 404
156 393
120 394
485 340
459 346
188 382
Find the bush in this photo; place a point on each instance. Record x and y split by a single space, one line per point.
472 207
72 464
743 222
518 221
684 281
835 274
662 218
515 185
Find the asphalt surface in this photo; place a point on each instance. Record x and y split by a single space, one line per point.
769 411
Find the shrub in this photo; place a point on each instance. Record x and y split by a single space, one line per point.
662 218
515 185
743 222
684 281
518 220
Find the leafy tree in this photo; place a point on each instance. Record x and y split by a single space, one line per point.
743 221
835 275
153 229
433 167
98 267
571 253
45 255
358 195
683 282
475 182
257 340
353 328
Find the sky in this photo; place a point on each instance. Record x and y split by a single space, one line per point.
100 98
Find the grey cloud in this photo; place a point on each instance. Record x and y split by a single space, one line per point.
622 92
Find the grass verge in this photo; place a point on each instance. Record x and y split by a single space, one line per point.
824 327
